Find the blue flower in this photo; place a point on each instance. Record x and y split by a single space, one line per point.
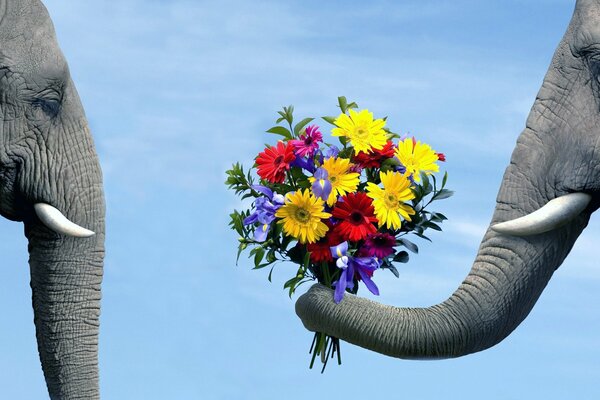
331 151
264 213
304 163
365 266
321 187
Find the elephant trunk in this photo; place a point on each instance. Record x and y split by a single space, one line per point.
507 278
66 274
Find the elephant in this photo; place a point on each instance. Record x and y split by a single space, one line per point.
50 179
546 197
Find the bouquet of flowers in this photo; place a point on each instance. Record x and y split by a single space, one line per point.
340 212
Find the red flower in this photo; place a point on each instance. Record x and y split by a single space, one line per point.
319 251
356 214
375 157
441 156
273 162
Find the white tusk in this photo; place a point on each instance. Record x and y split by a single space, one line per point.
56 221
554 214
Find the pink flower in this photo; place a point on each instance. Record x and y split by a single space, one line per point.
378 245
308 143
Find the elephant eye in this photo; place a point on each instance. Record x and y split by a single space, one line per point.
49 103
593 64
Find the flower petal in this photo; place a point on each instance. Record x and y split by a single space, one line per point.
339 250
250 219
340 287
264 190
368 282
261 232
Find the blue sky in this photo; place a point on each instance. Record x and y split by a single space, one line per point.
176 91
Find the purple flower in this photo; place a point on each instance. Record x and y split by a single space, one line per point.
264 213
339 250
308 143
402 169
304 163
379 244
331 151
321 187
364 266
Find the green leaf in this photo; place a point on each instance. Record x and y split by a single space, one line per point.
280 130
271 256
423 236
270 274
306 260
418 192
438 217
291 282
258 256
285 242
401 257
394 270
343 103
296 254
444 179
409 245
442 194
237 223
331 120
425 184
301 125
432 225
241 248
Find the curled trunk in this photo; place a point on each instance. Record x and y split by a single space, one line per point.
507 278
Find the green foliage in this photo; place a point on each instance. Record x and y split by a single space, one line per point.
300 125
344 105
238 181
282 131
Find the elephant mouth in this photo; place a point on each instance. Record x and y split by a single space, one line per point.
16 207
13 205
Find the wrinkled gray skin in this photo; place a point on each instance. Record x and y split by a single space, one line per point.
47 155
557 153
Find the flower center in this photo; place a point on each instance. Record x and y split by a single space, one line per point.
357 217
332 179
301 215
308 141
361 132
278 160
391 201
379 241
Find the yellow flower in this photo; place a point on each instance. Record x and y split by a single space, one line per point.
342 181
389 201
417 157
302 216
363 132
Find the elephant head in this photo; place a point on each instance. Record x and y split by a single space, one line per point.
50 179
547 195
